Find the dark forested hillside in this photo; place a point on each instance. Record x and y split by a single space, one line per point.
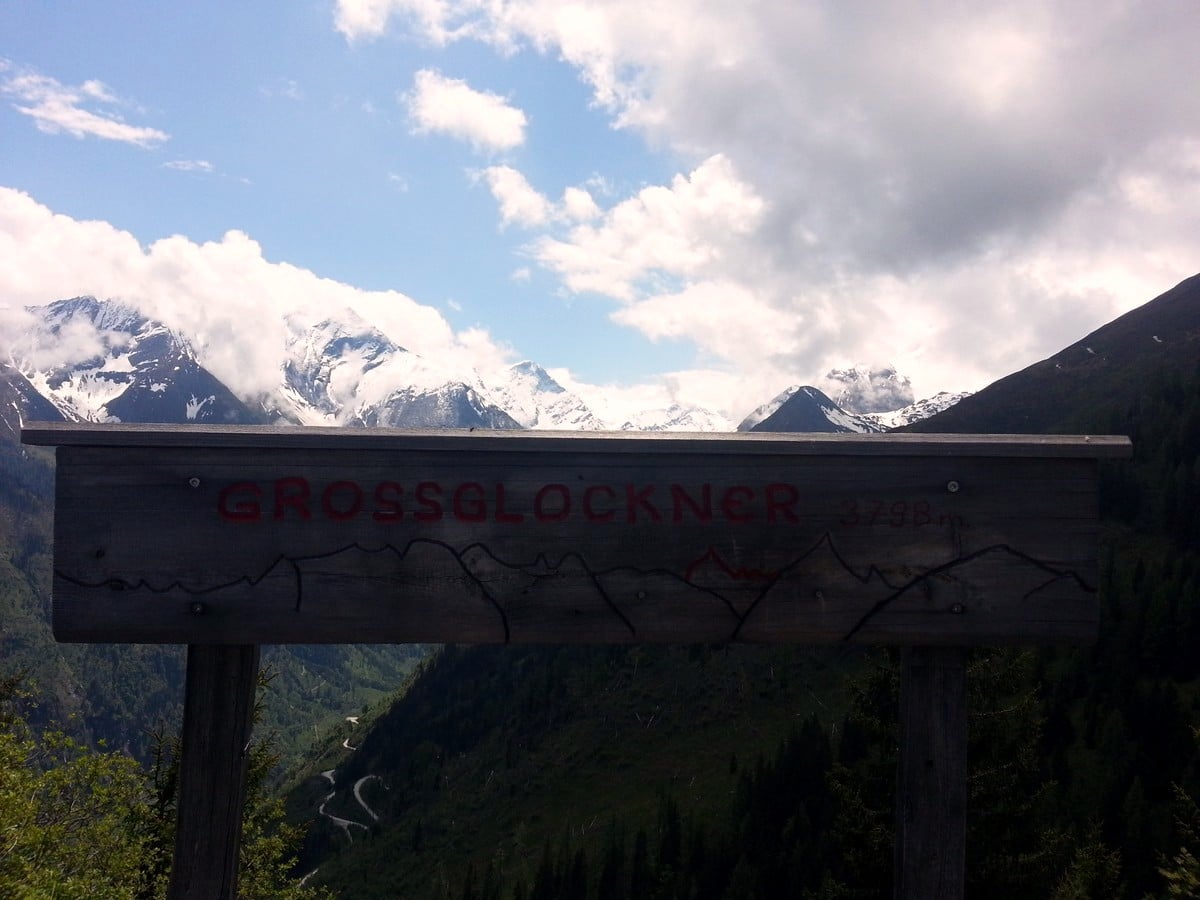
495 754
1095 382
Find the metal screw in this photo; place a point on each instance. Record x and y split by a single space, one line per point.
952 487
958 609
197 608
641 595
194 482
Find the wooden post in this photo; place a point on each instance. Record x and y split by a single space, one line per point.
217 716
931 793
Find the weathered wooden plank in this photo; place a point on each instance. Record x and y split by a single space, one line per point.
402 541
931 794
217 717
276 437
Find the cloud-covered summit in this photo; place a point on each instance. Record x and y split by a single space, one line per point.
861 389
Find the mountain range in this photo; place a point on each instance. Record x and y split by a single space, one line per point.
92 360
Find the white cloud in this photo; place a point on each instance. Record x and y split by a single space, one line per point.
190 165
287 88
437 104
687 230
223 294
726 317
955 189
522 204
369 18
58 108
519 202
578 205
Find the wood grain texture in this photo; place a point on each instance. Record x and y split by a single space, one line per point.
64 434
563 540
931 791
217 715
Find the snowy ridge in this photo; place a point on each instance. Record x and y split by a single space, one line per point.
102 361
677 417
534 399
915 412
805 409
861 389
768 409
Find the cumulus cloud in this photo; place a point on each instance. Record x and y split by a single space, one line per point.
87 110
957 190
437 104
520 203
287 88
697 225
369 18
202 166
225 295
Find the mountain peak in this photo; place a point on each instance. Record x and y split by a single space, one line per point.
804 408
863 389
104 315
103 361
539 377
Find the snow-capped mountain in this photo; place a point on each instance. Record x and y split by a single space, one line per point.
862 389
325 365
344 371
767 409
20 403
530 395
677 417
806 409
914 412
100 361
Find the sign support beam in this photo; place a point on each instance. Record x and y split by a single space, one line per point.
931 788
217 718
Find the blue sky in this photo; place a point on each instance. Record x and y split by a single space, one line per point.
755 193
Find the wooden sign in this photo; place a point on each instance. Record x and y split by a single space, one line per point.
245 536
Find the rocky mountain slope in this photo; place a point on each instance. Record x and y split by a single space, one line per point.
1115 364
